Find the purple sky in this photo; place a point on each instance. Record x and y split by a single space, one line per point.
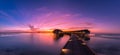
97 15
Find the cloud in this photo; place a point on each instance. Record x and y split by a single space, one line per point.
44 17
8 17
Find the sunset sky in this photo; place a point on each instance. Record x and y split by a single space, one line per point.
101 16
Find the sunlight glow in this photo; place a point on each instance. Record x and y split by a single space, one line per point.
48 21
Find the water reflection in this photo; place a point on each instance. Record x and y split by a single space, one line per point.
105 46
44 44
30 44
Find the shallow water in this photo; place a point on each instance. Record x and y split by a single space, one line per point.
30 44
44 44
105 45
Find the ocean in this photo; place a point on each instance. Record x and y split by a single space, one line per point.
44 44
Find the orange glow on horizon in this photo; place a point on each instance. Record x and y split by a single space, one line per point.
48 29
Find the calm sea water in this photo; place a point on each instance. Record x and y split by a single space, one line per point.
44 44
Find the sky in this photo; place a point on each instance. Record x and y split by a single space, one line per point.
100 16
